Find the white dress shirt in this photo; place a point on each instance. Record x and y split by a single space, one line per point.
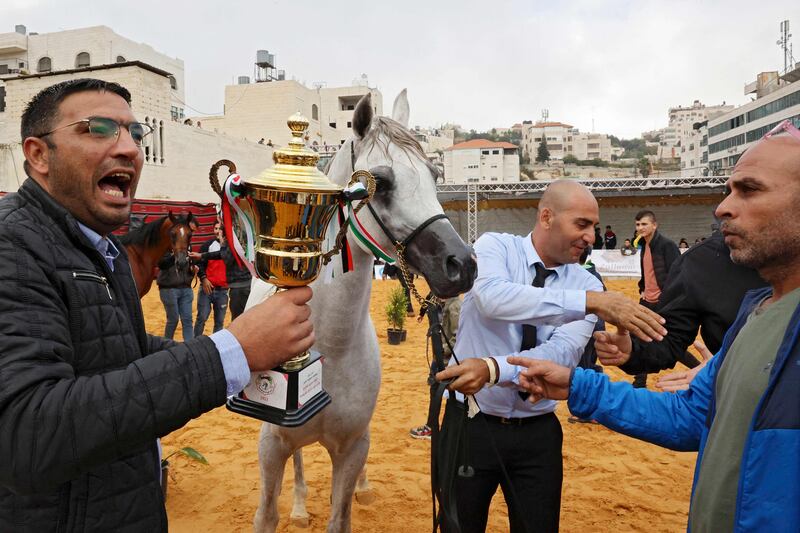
503 299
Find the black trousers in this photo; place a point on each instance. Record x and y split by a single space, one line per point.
237 300
531 454
640 380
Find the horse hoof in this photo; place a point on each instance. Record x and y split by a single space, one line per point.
300 521
365 497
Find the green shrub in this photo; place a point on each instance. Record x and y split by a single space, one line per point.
396 308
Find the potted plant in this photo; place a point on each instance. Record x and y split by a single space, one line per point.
191 453
396 315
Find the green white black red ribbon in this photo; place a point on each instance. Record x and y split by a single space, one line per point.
231 198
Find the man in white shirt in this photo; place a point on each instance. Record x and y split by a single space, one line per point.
530 297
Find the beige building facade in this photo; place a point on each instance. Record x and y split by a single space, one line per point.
177 156
481 161
564 139
256 111
26 53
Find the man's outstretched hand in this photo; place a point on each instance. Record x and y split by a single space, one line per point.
675 381
613 349
543 379
616 308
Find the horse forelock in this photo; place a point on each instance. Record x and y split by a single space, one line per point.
383 128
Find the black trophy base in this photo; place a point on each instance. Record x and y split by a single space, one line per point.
279 417
284 397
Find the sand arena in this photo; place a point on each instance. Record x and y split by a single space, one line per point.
611 482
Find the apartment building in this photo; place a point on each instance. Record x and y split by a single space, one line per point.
729 135
481 161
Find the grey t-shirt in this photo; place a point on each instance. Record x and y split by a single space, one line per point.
741 383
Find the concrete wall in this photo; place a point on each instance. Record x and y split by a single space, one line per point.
675 221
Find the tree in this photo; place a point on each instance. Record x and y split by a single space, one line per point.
644 167
570 159
542 153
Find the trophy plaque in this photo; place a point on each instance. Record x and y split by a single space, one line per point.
290 205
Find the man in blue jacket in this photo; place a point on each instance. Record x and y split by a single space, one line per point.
742 411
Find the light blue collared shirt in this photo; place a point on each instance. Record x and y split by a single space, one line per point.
503 299
234 363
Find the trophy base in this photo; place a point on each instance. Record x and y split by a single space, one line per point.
284 397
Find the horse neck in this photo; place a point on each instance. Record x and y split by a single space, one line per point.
349 291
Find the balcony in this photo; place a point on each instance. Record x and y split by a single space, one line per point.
13 43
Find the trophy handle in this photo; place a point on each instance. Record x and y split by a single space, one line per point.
214 179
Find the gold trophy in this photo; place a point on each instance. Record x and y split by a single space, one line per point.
290 205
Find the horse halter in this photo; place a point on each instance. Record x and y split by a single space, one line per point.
399 245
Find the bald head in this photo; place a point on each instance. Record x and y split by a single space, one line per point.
565 224
758 214
563 194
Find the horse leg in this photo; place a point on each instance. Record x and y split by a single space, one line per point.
272 456
348 464
364 494
299 515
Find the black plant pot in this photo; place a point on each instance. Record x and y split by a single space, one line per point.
395 335
403 338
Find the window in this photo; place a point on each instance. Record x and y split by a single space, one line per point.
2 99
82 60
349 124
121 59
314 112
44 65
484 152
332 125
735 122
173 83
727 143
780 104
495 152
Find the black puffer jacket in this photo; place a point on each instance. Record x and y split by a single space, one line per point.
664 252
81 402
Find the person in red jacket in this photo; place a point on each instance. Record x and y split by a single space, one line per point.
213 291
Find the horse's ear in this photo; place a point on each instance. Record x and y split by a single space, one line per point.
400 110
171 216
362 116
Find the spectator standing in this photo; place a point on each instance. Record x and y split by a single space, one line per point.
656 259
610 239
237 276
213 291
598 237
175 288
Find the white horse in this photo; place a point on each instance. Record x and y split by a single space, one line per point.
405 199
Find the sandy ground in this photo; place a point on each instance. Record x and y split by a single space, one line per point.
611 482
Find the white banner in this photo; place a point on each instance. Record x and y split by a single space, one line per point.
612 264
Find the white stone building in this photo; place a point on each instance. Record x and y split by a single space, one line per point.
729 135
23 52
256 111
481 161
563 140
177 156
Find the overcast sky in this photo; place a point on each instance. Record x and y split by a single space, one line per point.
476 63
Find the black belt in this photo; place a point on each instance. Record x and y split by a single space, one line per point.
507 421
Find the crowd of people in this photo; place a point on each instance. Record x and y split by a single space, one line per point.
222 282
86 392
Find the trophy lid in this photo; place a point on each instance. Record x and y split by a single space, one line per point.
295 165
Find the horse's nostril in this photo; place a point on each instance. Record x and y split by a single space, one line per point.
453 268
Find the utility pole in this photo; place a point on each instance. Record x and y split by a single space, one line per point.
786 45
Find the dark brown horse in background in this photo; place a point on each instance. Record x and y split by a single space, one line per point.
148 244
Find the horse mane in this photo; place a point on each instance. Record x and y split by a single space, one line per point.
400 136
148 235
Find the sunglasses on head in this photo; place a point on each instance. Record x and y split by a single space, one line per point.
108 128
787 126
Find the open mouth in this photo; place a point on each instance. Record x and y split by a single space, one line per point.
116 184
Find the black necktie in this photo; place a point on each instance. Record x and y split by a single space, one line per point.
528 331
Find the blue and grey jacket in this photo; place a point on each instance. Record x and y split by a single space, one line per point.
769 479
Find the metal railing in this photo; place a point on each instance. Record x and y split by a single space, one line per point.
607 184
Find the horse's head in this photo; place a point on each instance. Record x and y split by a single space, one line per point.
180 234
405 198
